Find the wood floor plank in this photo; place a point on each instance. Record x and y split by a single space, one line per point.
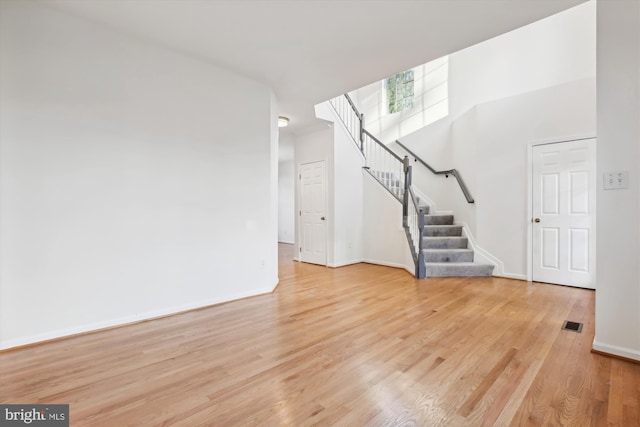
357 345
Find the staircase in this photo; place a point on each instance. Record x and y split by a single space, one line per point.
445 249
437 246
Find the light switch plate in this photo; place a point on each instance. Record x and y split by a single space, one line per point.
616 180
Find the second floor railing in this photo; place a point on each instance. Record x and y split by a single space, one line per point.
352 119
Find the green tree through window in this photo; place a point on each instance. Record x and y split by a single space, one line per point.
399 91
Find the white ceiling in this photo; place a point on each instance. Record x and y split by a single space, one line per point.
311 50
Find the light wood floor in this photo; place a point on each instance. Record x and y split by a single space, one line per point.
354 346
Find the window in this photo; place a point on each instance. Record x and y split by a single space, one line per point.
399 91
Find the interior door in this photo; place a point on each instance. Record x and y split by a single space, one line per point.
563 213
313 201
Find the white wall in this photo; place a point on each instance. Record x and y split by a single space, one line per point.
384 238
348 163
430 102
344 185
135 181
618 222
488 145
553 51
270 261
286 202
346 191
286 188
533 84
314 146
360 211
505 130
438 153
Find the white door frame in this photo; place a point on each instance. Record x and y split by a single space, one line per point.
299 207
530 191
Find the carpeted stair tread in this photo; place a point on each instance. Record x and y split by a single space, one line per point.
442 230
458 269
445 250
448 255
438 219
444 242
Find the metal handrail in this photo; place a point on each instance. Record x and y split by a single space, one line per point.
360 119
353 122
355 110
446 173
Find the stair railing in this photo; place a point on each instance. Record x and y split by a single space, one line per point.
446 173
390 170
352 119
414 228
384 165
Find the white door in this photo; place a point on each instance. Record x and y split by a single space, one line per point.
313 200
563 214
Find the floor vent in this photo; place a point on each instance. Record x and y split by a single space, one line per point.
572 326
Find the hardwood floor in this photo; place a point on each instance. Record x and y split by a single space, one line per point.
353 346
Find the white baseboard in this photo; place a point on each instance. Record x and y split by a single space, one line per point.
126 320
344 264
615 350
479 254
511 276
391 264
375 262
287 242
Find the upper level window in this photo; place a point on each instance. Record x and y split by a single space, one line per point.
399 91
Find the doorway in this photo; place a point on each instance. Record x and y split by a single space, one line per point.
563 213
312 212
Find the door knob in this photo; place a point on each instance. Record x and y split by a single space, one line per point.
322 218
536 220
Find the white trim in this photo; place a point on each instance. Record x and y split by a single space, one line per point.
287 242
546 141
479 254
529 243
428 201
326 209
511 276
485 257
127 320
411 270
615 350
344 264
375 262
